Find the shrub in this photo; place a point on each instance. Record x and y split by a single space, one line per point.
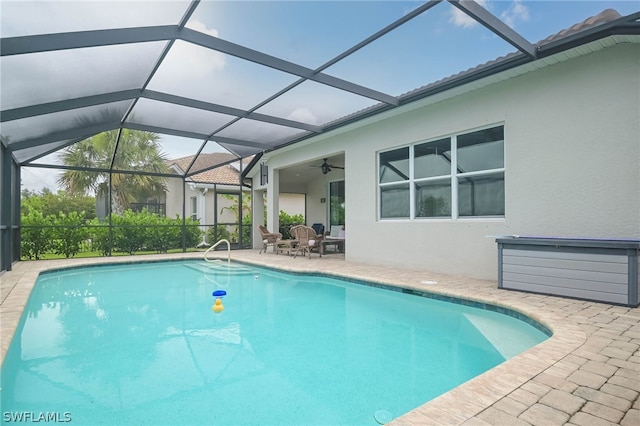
193 233
99 235
69 234
287 221
231 233
131 233
128 232
36 234
221 232
165 233
246 231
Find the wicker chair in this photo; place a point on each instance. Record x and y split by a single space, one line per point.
288 245
307 240
269 239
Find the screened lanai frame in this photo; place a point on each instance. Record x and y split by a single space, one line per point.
40 116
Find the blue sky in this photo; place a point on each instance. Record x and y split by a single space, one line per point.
312 32
436 44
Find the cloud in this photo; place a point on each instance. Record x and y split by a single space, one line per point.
42 17
461 19
515 12
192 59
194 24
303 115
35 179
189 68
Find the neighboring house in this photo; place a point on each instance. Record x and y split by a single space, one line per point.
549 148
153 205
212 196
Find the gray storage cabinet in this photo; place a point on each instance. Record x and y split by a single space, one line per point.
592 269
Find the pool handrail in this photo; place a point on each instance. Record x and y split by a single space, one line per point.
216 245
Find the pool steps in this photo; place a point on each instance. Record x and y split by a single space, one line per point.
220 268
213 248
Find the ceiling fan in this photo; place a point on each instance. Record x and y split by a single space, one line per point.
326 167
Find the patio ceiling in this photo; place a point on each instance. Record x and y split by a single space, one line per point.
71 70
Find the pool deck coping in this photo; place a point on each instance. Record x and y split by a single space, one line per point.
587 373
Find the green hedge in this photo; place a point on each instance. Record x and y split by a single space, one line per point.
133 232
36 237
69 234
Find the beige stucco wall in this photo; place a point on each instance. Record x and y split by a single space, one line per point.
206 207
293 203
572 155
174 198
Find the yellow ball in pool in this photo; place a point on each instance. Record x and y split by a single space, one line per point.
217 306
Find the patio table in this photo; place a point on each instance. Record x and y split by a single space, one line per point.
337 242
286 246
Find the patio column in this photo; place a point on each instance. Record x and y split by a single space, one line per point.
273 204
6 210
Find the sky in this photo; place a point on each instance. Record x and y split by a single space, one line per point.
434 45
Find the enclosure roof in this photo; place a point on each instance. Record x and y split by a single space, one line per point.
248 77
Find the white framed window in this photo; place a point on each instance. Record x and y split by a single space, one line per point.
194 207
454 177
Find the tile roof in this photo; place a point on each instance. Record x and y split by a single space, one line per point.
226 173
603 17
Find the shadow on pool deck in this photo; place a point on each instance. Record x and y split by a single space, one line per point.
587 373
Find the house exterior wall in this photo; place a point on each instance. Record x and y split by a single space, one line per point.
174 198
292 203
207 217
572 150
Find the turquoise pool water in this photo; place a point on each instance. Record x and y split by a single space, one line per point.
140 344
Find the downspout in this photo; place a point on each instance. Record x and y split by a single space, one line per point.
203 215
215 213
184 219
110 213
240 209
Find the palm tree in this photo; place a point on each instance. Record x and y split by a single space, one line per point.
137 150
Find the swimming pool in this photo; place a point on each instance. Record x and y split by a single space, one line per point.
140 344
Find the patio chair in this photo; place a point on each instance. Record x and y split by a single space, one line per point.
319 228
307 240
269 239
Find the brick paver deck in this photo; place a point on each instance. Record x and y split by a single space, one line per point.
587 373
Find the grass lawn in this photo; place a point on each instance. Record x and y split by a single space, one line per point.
48 256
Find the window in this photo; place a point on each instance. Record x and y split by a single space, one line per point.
336 203
457 176
194 208
394 173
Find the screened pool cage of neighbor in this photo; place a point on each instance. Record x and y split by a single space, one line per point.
157 110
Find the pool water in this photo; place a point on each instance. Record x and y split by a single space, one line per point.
140 344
